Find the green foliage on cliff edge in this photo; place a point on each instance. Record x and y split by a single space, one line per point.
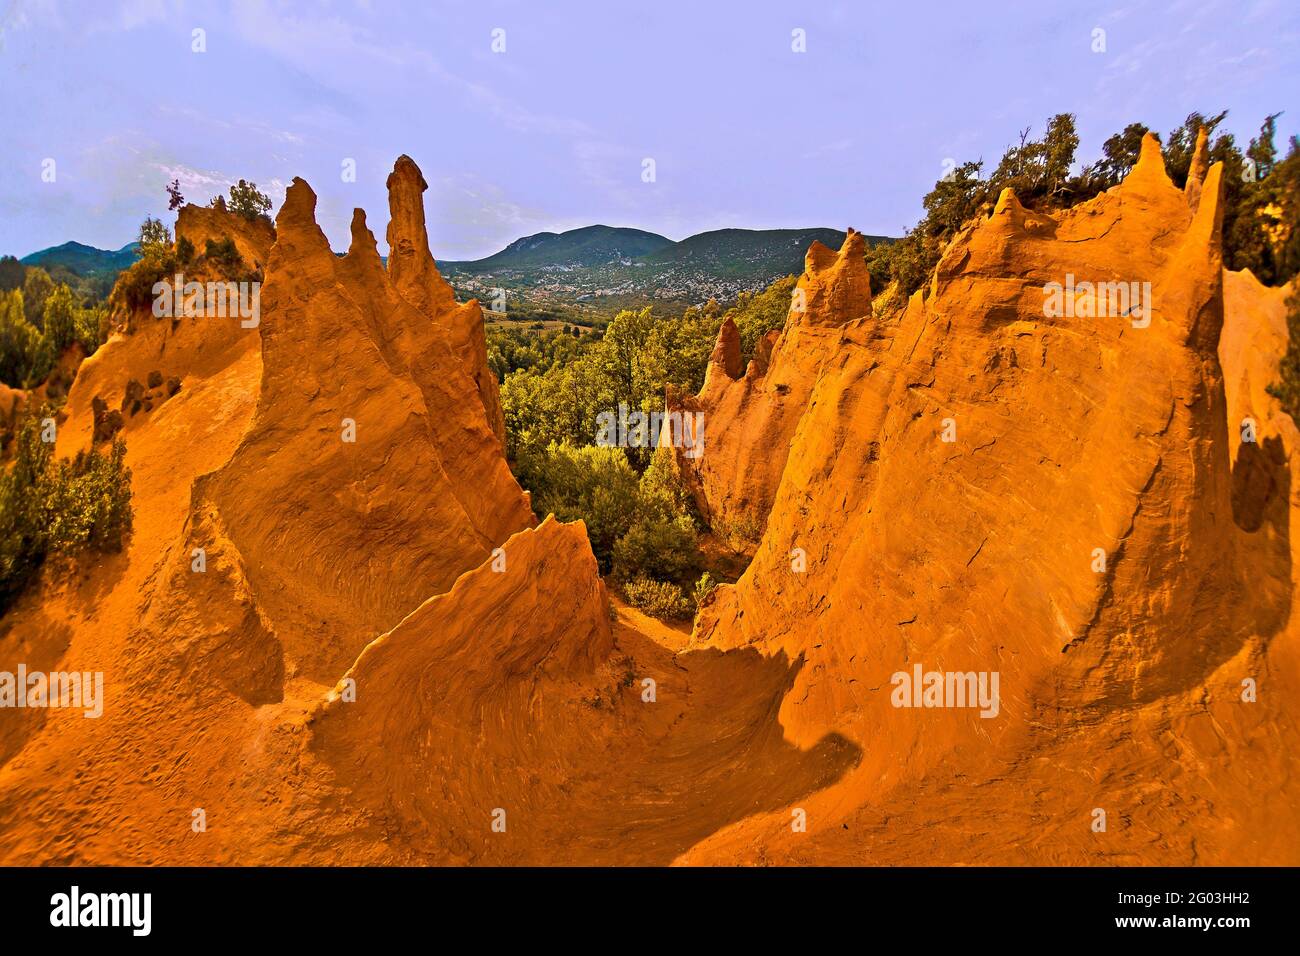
38 320
63 507
1256 190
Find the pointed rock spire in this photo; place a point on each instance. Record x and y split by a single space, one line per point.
297 235
410 264
1207 224
1008 203
415 277
762 360
1149 177
726 354
1200 165
363 240
836 286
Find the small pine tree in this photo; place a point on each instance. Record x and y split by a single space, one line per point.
1261 150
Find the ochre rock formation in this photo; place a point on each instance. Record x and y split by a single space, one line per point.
389 483
415 276
986 487
1200 166
384 659
488 668
323 465
750 416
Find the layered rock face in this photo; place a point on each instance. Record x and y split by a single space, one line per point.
535 731
388 477
488 669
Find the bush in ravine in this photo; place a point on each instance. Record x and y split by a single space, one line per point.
66 507
662 546
657 598
637 526
592 483
705 586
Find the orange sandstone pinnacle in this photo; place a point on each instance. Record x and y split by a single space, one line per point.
386 660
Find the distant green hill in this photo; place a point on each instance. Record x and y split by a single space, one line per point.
618 267
84 260
588 246
605 266
737 251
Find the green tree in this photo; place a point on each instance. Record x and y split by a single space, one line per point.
247 201
1261 151
1037 169
11 273
91 327
37 286
60 318
953 200
1261 221
1058 149
1120 154
155 239
621 354
676 353
558 405
26 356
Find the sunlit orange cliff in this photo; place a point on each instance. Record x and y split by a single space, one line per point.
388 660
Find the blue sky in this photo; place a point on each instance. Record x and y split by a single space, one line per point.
551 134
